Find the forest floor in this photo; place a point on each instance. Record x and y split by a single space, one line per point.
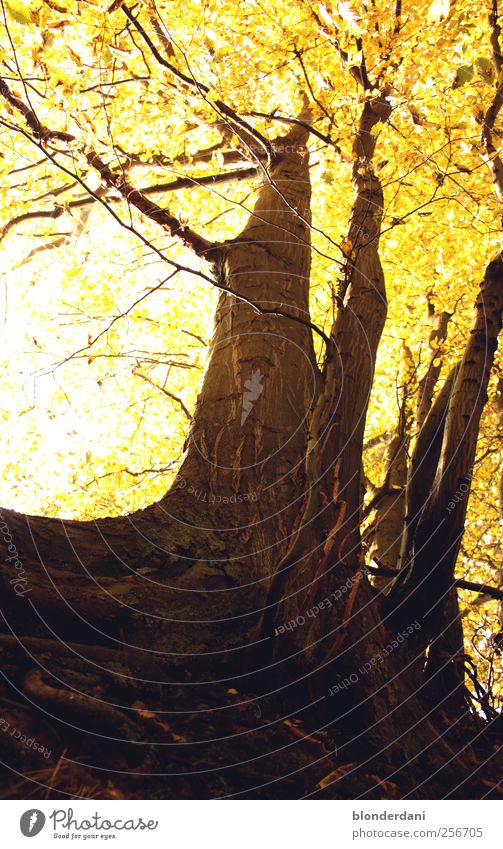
57 744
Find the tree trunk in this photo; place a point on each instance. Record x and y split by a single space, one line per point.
243 468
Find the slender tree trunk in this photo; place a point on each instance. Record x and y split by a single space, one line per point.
445 453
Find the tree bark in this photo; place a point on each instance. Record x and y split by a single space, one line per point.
244 458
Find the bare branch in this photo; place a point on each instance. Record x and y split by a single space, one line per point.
460 583
358 72
494 159
158 188
168 222
272 116
164 391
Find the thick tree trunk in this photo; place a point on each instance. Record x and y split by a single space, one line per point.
324 611
243 469
209 547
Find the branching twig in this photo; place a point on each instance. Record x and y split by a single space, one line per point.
162 217
158 188
164 391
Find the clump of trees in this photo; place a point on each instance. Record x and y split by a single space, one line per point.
295 585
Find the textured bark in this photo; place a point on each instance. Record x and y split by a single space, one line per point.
358 327
250 424
499 402
348 636
385 535
329 524
388 503
423 466
338 419
229 515
444 669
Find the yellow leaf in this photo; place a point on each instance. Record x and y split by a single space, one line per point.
347 247
351 18
19 11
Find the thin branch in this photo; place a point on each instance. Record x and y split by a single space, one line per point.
133 196
272 116
494 159
358 72
162 217
164 391
376 440
158 188
460 583
298 55
31 216
112 84
205 180
398 15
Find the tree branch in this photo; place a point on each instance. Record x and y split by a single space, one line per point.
358 72
272 116
359 322
424 463
460 583
164 219
495 31
434 544
164 391
168 222
428 382
158 188
40 132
